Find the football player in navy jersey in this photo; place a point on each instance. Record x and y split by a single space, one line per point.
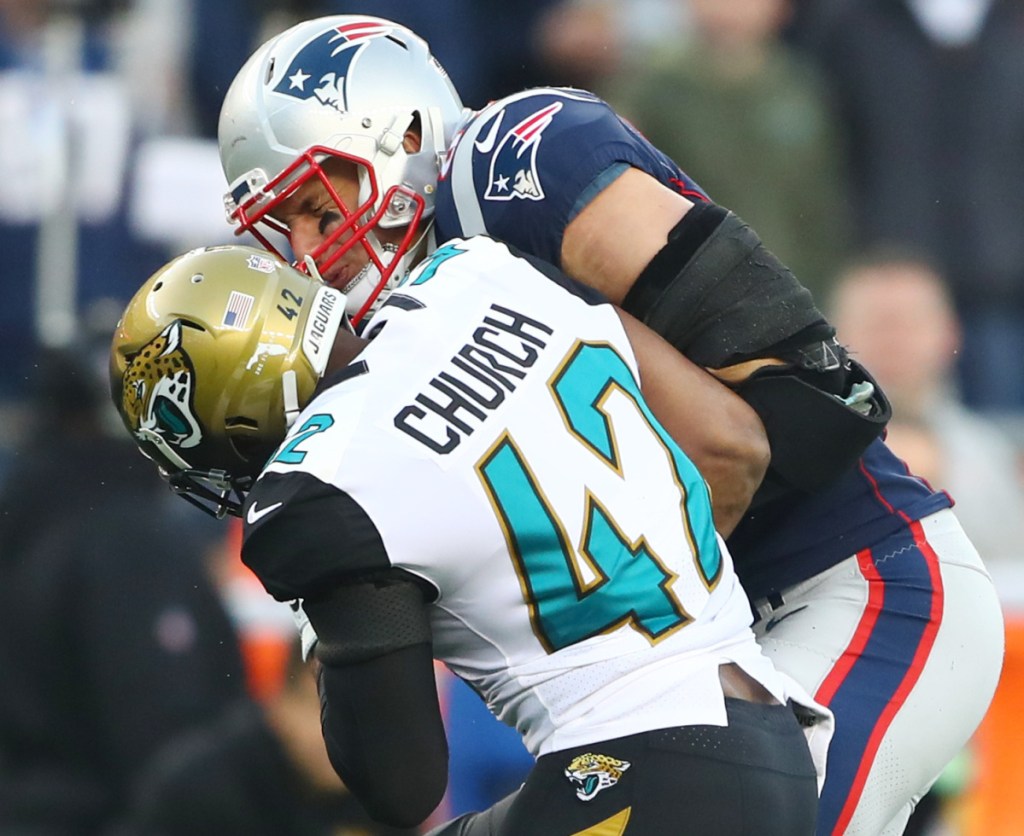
865 588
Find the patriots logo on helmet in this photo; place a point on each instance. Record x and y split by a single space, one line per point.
320 68
513 170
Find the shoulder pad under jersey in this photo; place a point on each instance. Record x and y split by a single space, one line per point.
523 167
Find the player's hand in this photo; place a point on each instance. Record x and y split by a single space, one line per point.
738 372
306 632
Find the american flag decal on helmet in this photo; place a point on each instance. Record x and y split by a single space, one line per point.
236 313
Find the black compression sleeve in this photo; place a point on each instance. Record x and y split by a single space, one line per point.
686 238
363 620
720 296
384 733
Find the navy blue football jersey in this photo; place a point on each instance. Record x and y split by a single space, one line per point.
520 170
524 166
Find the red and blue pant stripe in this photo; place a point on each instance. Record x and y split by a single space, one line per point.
872 679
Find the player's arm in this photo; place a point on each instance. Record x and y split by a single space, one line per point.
614 264
700 277
380 713
719 431
608 248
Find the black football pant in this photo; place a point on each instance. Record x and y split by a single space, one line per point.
752 777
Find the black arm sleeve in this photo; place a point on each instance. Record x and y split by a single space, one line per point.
720 296
379 707
365 619
384 733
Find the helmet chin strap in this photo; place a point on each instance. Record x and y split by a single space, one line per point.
169 453
360 289
290 397
366 281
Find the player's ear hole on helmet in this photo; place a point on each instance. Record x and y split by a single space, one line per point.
413 139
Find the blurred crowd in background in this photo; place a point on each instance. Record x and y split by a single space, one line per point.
877 146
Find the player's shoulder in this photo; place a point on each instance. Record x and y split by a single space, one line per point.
290 521
458 270
330 431
517 168
525 115
527 101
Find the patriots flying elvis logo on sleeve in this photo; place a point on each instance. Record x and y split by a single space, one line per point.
513 170
321 67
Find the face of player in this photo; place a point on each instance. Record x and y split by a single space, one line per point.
312 215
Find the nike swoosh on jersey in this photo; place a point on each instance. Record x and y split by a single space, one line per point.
487 144
774 622
254 514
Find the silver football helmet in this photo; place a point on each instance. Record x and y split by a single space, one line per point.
346 86
213 359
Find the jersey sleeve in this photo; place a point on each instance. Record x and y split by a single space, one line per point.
525 166
302 536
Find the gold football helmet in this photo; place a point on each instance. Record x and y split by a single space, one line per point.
212 361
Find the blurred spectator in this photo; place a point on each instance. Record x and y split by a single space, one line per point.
580 42
894 312
101 176
265 627
748 118
931 97
583 43
66 141
113 639
177 57
259 769
222 34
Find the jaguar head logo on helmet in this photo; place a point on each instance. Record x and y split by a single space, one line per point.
156 392
212 361
345 89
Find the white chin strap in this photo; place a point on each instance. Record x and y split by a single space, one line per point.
362 286
366 280
289 384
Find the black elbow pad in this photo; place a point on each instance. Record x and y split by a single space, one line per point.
818 423
364 620
720 296
384 733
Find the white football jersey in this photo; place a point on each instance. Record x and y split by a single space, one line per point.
492 440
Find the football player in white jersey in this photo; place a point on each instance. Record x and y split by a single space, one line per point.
476 479
866 588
